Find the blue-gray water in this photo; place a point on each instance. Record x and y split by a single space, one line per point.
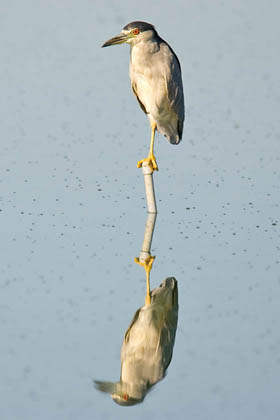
73 209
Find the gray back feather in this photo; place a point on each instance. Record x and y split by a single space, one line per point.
175 92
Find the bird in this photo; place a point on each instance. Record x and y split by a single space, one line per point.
156 81
147 346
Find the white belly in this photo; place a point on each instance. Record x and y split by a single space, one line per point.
148 74
152 93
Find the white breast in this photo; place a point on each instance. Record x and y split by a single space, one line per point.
148 73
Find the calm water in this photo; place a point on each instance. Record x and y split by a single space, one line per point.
73 209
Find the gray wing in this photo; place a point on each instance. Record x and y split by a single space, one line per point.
136 316
175 92
134 89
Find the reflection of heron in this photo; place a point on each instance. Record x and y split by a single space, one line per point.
156 81
147 347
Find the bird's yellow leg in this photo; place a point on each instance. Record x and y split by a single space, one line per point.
151 157
147 264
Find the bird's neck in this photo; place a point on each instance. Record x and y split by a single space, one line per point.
142 52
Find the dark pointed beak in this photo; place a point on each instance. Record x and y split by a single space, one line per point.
119 39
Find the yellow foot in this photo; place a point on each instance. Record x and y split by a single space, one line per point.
146 264
151 160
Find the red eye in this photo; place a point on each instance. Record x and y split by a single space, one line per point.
136 31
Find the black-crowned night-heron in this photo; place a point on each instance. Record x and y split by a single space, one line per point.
147 346
155 75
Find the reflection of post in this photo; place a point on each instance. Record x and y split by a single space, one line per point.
145 259
147 242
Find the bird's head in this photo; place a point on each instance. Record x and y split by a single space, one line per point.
133 33
121 393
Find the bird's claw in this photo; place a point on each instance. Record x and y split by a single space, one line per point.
147 264
151 160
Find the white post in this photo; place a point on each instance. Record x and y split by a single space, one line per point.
149 187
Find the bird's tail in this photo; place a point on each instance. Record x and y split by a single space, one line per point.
173 132
173 139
